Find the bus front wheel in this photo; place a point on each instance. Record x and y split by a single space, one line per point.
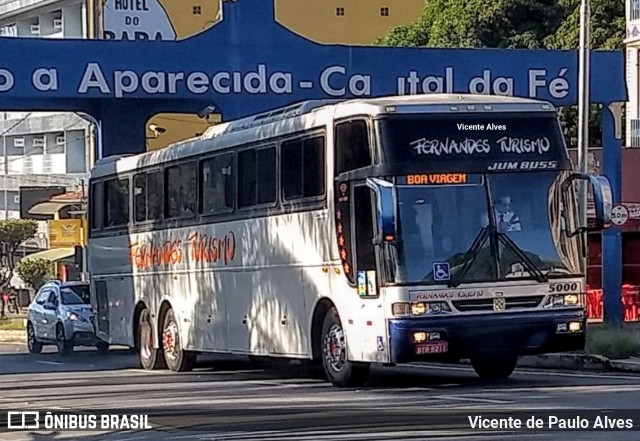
338 369
494 367
178 360
150 357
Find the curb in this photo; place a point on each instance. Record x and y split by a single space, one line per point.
13 337
588 362
625 366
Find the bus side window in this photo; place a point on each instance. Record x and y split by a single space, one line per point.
217 184
116 202
154 195
352 149
257 177
96 205
140 197
302 168
180 184
147 196
363 215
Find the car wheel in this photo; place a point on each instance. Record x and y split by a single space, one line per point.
150 357
339 370
103 347
65 347
34 346
178 360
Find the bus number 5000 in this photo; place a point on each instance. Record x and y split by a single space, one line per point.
563 287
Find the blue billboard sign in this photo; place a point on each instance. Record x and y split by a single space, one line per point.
249 63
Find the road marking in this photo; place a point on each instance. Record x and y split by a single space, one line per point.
56 363
471 399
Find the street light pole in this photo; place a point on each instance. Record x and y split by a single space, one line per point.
583 111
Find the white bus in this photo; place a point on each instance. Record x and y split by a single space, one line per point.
388 230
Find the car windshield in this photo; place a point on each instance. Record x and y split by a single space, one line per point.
71 298
494 227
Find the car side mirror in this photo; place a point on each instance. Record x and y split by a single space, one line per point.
49 306
385 208
600 188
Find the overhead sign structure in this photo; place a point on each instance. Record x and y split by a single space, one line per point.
619 215
245 62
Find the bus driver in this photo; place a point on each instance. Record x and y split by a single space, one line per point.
506 219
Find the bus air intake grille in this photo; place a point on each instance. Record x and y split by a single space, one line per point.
487 304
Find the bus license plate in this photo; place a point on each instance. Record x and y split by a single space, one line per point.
432 348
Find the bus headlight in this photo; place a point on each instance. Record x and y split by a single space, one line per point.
563 300
418 308
400 309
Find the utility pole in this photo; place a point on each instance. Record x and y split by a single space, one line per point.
583 105
583 120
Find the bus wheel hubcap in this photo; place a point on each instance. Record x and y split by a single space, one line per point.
145 339
171 339
334 347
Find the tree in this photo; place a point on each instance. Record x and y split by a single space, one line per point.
607 30
34 272
12 233
607 26
481 23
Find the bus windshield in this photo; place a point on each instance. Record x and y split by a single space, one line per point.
493 227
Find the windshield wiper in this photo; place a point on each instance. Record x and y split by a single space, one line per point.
470 256
477 245
533 269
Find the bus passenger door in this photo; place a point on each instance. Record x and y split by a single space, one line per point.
371 331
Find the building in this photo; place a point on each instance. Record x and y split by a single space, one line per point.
353 22
40 149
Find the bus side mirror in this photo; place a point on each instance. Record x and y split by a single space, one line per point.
600 188
385 207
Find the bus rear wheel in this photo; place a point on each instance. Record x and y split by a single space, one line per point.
150 357
338 369
178 360
494 367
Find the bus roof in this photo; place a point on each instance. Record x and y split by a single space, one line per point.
313 113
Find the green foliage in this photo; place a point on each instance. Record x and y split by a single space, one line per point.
607 27
569 121
613 343
531 24
10 324
480 23
12 233
34 272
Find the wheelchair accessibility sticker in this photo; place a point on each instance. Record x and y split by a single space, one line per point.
441 271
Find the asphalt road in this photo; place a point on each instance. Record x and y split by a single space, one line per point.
233 399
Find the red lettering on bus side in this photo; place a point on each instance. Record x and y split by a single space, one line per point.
212 249
231 247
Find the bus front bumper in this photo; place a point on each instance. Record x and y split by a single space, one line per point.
524 333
